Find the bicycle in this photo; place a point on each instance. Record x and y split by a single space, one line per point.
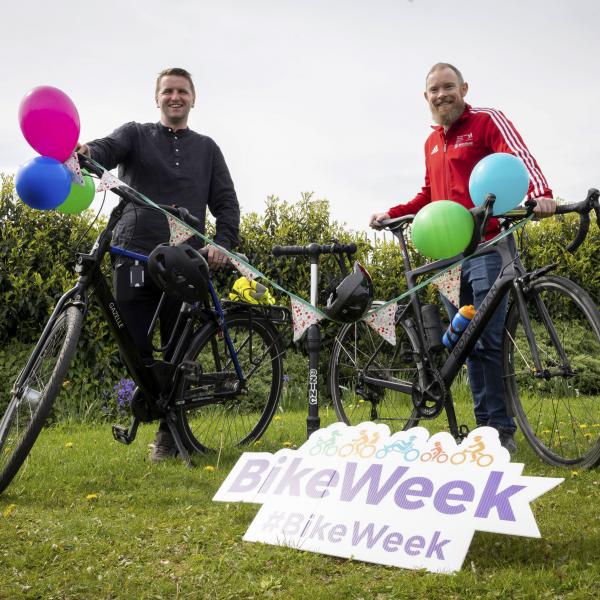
327 446
475 451
361 446
220 386
437 454
405 448
551 327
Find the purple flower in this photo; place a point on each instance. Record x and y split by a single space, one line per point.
124 392
286 378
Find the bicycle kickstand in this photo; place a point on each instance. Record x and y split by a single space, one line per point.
181 449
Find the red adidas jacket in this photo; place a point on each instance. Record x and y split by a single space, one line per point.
450 157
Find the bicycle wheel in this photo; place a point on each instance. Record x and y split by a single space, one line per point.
212 417
359 350
559 409
34 392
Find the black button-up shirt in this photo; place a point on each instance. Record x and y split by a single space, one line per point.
181 168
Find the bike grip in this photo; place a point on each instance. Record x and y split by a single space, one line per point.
86 164
182 213
289 250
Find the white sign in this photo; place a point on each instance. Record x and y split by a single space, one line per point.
408 500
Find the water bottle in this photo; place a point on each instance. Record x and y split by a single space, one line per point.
459 323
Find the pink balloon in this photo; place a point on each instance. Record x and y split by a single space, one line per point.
50 122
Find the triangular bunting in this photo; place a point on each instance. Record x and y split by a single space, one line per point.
303 316
72 164
107 182
245 271
448 284
179 233
383 321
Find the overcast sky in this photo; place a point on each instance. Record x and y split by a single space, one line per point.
317 96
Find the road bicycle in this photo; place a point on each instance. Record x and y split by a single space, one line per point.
550 351
219 387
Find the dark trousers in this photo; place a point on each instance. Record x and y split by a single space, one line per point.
484 364
138 305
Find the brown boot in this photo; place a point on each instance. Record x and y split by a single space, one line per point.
164 446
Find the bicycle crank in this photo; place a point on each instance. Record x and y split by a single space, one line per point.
429 398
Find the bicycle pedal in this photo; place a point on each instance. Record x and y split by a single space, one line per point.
121 434
124 435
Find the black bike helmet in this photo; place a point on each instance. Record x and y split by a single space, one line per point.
179 270
352 298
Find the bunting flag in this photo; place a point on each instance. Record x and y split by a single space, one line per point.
178 232
303 316
107 182
72 164
245 271
383 321
448 283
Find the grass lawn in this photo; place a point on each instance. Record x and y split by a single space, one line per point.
89 518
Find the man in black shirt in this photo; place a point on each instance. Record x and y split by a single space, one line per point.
170 164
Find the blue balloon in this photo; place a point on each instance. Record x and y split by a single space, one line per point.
43 183
503 175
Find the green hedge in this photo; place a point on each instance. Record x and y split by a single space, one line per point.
37 266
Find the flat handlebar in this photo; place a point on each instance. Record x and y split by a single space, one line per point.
314 250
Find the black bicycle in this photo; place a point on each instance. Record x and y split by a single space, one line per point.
219 387
552 333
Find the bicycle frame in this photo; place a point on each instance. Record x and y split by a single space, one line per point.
511 276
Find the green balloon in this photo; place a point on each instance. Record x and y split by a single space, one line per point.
442 229
80 197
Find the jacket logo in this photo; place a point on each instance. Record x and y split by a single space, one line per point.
464 140
435 149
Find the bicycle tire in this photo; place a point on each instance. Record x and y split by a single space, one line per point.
357 345
559 415
237 420
34 393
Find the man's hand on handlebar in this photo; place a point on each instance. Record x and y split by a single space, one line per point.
375 220
544 207
83 149
216 258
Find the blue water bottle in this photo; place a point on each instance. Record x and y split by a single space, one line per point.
459 323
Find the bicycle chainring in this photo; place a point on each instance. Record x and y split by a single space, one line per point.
429 400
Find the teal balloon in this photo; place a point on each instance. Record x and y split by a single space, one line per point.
442 229
80 197
503 175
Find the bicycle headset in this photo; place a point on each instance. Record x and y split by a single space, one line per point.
352 298
179 270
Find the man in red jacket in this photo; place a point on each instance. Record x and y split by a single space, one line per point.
462 137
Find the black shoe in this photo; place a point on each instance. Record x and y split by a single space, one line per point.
507 440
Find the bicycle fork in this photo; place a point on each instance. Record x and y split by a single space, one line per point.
546 321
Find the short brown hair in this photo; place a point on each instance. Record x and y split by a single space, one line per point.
174 71
443 65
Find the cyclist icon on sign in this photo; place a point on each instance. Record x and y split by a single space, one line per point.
475 450
405 447
327 446
362 446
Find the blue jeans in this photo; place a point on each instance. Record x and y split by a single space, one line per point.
484 364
